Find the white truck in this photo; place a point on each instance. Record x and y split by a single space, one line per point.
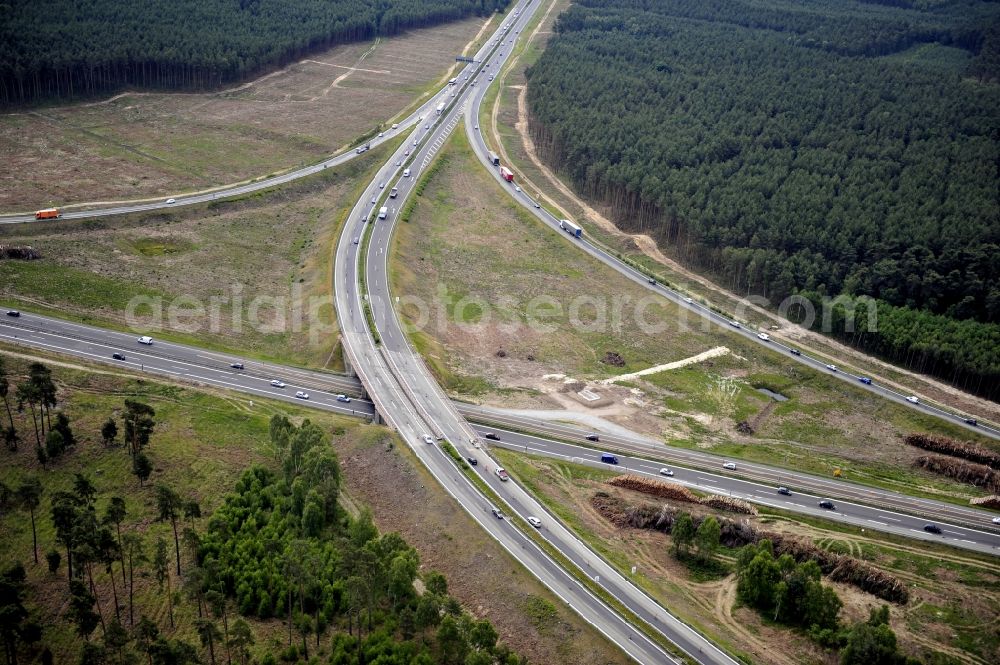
570 228
383 212
440 108
393 192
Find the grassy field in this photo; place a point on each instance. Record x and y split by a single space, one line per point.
157 144
202 443
954 595
509 308
255 257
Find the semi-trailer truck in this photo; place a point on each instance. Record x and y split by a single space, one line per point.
570 228
506 174
494 159
383 212
48 213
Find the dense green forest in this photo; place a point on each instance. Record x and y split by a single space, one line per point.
65 48
820 147
280 572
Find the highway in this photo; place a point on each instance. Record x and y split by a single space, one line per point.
406 395
703 310
864 506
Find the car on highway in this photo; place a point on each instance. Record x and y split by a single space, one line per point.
145 339
13 312
502 474
731 466
828 505
381 185
972 421
472 460
764 337
666 472
832 368
492 436
381 134
593 437
343 398
406 173
357 240
236 365
537 204
932 528
301 395
735 324
169 201
477 126
399 163
427 126
406 154
517 188
534 521
913 399
795 352
496 513
428 438
688 300
865 380
374 199
996 520
277 384
784 491
491 77
651 281
118 356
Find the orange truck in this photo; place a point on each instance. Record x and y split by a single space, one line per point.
48 213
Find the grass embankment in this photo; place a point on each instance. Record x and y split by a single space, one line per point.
263 263
483 269
953 594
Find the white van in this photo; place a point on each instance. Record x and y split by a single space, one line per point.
406 173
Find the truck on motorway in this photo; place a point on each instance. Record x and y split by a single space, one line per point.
48 213
440 108
570 228
506 174
393 192
494 159
383 212
363 148
452 81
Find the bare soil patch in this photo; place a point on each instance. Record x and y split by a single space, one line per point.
139 144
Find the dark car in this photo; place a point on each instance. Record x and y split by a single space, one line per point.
795 352
491 436
118 356
865 380
472 460
651 281
784 491
13 312
827 504
236 365
932 528
593 437
971 421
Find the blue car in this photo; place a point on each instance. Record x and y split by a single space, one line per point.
865 380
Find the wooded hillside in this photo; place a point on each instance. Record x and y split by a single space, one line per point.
66 48
818 148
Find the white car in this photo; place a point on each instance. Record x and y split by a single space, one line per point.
395 125
535 522
731 466
428 439
145 339
764 336
301 395
343 398
381 134
169 201
477 126
666 472
996 520
517 188
735 324
832 368
277 384
912 399
688 300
